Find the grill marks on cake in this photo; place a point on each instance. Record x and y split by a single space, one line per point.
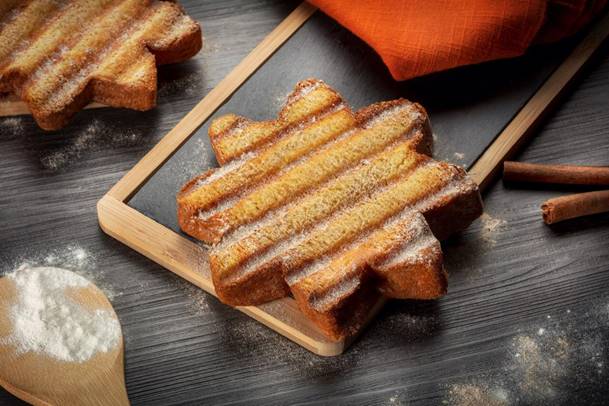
53 39
64 79
419 200
311 172
314 207
51 50
360 226
365 215
332 207
405 235
296 145
269 161
233 135
21 24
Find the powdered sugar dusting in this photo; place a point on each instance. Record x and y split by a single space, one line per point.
416 231
412 252
303 91
338 291
277 250
279 212
476 395
390 113
173 33
75 83
490 227
12 127
453 187
281 100
190 84
46 321
396 400
246 159
275 215
545 364
226 204
198 299
224 169
74 256
246 336
95 136
249 228
459 159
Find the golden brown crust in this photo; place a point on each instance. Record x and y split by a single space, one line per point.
328 205
454 213
417 281
347 316
187 213
59 56
252 289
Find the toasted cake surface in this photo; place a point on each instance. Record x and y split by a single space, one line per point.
58 56
328 205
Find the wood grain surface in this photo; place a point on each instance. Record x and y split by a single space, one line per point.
508 273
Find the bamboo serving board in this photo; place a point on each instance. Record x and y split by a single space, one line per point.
140 209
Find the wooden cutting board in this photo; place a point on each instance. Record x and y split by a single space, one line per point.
480 115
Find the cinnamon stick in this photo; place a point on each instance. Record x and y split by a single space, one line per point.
558 174
577 205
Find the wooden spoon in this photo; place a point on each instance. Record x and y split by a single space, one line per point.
42 380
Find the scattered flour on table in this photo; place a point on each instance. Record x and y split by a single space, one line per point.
188 85
250 339
405 325
476 395
490 227
545 365
459 156
459 160
73 257
46 321
209 47
12 127
94 136
396 400
198 298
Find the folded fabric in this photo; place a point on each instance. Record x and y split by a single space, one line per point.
417 37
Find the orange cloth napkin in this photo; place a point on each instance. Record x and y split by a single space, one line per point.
416 37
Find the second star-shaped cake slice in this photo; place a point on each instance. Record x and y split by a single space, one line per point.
58 56
333 207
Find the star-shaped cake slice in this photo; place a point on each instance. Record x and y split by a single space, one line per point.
333 207
58 56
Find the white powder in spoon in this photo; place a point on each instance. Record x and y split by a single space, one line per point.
45 320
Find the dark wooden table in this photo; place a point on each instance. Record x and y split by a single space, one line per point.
526 320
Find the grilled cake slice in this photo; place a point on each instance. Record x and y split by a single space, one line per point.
58 56
328 205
